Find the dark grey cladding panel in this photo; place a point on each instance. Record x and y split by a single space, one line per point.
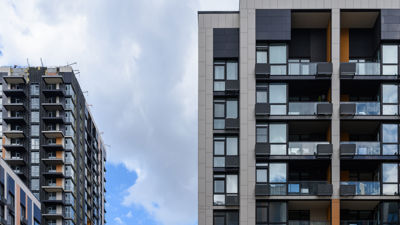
347 190
232 200
390 24
226 42
324 109
232 161
324 189
273 24
261 190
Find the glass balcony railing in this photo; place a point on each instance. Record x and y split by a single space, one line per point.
366 147
359 222
365 187
368 68
304 148
302 108
302 69
304 187
307 222
368 108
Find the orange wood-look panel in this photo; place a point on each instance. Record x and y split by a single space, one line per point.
344 175
344 45
328 42
59 182
59 141
17 205
344 98
59 154
344 136
335 211
328 135
59 168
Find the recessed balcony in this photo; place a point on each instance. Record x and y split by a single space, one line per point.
15 78
14 106
53 133
14 133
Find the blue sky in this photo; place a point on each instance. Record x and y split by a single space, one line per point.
138 61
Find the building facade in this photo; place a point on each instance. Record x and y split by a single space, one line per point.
50 140
299 113
17 203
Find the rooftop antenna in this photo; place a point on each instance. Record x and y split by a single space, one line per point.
41 61
27 61
71 64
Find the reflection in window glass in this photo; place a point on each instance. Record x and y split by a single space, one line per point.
231 146
219 199
278 110
232 184
277 172
219 186
277 93
262 57
389 109
219 72
219 110
389 70
261 133
390 212
219 124
277 212
219 86
231 71
277 54
261 175
277 133
277 70
390 54
390 133
232 218
219 161
389 171
232 109
278 150
389 93
261 96
389 149
389 189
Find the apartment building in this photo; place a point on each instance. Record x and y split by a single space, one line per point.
17 203
299 113
51 142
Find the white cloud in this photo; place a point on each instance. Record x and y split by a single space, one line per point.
138 62
129 214
118 220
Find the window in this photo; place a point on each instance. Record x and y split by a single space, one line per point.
261 172
271 212
224 184
231 71
224 70
224 109
224 146
34 143
277 59
34 103
389 178
390 212
261 133
34 157
262 54
390 133
278 99
35 184
35 130
277 138
277 172
35 117
390 59
35 171
261 94
389 99
226 218
34 89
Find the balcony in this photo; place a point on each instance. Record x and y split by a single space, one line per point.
14 133
295 70
310 108
53 106
53 188
53 133
53 79
14 146
352 188
53 214
364 69
366 148
53 92
14 106
310 148
54 119
16 160
297 188
21 173
53 160
360 108
15 119
53 147
15 78
15 92
53 174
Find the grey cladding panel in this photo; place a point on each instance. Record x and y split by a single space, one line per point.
390 24
273 24
226 42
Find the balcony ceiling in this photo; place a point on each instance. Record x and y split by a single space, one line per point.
360 127
358 205
358 19
308 127
314 20
301 205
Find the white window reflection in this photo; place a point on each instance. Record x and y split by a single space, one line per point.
390 171
389 94
277 54
277 172
231 184
231 71
390 133
390 54
277 133
277 93
231 146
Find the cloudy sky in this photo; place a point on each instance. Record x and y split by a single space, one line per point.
138 61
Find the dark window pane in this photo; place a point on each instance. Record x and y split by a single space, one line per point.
262 215
219 220
232 218
390 212
277 212
219 186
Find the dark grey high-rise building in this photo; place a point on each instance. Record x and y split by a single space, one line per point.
299 113
50 140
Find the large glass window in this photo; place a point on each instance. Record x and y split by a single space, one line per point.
35 117
277 172
261 93
261 133
232 184
390 99
224 109
390 133
390 59
226 218
224 184
34 157
35 171
232 109
390 212
231 71
262 54
277 138
224 71
277 59
261 172
277 99
35 130
389 178
277 212
34 103
34 143
34 89
220 152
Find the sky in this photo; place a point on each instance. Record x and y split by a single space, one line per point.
138 63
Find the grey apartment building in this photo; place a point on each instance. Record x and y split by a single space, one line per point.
299 113
49 139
